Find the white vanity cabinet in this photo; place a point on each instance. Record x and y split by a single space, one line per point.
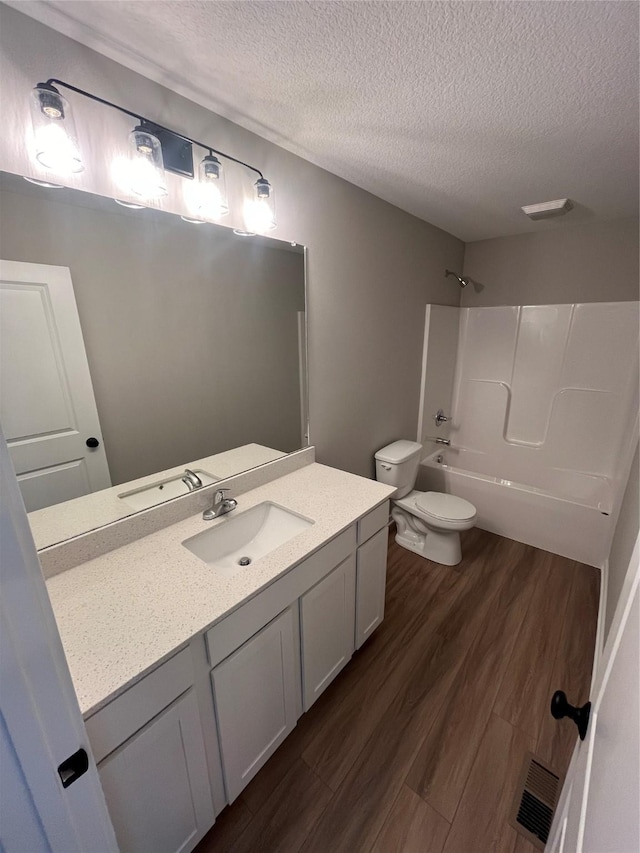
255 697
222 705
327 620
265 673
155 780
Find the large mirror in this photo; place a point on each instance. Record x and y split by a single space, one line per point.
141 356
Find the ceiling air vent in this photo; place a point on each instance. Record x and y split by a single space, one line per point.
548 209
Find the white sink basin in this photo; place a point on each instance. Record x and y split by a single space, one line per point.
162 490
239 540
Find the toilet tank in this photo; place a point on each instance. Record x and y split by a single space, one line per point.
397 465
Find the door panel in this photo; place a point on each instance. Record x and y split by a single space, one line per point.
614 781
157 784
598 812
255 696
40 722
371 585
52 485
328 617
47 404
35 390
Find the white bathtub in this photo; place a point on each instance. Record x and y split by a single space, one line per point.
565 512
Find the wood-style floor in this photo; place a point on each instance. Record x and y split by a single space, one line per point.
418 744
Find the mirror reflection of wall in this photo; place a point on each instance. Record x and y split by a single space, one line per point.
192 333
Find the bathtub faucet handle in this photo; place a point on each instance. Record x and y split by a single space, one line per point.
440 418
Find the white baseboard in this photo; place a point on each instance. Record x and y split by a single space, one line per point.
602 610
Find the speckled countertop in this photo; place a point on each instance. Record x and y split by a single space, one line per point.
122 613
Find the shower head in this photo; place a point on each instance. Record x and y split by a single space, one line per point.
463 282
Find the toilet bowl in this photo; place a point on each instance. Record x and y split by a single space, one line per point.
428 523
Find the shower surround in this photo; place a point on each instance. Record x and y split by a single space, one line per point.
543 420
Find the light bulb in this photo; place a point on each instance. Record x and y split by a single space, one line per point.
260 211
56 147
210 193
138 180
145 181
141 175
56 151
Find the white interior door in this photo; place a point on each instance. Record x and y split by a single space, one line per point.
599 811
40 721
47 405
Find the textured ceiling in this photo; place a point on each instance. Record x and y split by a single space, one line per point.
458 112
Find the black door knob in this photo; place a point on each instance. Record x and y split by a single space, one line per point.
92 442
560 708
73 768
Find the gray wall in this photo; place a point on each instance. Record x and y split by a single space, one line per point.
371 267
597 262
191 332
623 541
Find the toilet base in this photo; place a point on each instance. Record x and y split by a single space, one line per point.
446 552
439 547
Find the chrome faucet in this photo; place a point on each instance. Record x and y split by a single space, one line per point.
442 441
221 505
440 418
191 480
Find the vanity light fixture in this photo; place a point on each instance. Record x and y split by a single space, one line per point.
154 150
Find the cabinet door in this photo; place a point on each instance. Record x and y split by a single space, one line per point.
327 614
255 696
371 582
157 785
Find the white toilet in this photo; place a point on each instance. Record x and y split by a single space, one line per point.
428 523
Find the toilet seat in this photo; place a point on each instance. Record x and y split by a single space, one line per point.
441 510
444 507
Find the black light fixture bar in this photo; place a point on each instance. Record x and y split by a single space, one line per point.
174 145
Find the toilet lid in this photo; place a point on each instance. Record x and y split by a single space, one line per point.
446 507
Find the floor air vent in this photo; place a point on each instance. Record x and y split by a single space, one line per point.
535 802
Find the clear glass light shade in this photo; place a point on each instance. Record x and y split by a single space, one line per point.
211 200
260 211
145 168
54 132
131 204
40 183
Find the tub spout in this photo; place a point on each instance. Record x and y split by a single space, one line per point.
445 441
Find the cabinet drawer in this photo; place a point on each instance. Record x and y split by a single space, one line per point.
234 630
372 522
116 722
